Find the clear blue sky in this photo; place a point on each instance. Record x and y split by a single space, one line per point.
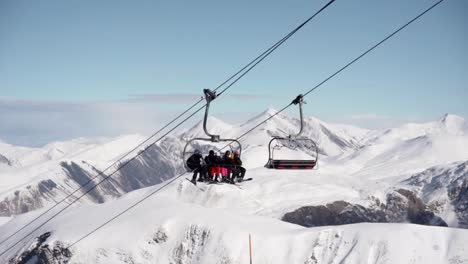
78 52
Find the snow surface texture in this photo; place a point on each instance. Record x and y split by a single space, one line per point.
184 224
165 230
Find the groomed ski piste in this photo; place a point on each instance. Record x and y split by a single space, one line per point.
212 223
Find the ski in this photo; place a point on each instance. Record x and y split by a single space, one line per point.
195 185
224 183
244 180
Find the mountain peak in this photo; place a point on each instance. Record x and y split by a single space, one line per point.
261 117
454 124
214 126
270 111
451 118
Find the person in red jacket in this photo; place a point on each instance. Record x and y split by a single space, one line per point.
227 166
213 162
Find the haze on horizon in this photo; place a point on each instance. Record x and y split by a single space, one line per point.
84 68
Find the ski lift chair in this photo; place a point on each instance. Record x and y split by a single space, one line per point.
206 144
293 142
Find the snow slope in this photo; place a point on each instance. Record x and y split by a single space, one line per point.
410 148
32 164
180 232
42 176
38 177
209 224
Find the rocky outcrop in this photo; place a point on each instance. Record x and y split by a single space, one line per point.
4 160
192 246
84 179
458 194
336 213
404 206
40 252
150 168
155 165
401 206
23 201
444 188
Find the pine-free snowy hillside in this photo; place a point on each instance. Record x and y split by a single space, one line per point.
332 139
173 227
411 148
35 177
40 177
43 176
394 179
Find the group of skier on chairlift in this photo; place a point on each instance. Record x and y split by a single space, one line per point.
214 168
228 168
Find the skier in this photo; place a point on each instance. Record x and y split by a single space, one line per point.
213 161
218 167
197 165
227 166
238 170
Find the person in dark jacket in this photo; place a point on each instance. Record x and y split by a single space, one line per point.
197 165
227 166
238 170
213 161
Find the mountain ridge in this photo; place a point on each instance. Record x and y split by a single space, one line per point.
413 174
36 167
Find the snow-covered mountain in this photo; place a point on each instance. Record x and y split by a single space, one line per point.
169 230
445 189
411 148
36 177
42 176
416 173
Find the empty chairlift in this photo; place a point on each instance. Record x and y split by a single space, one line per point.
294 143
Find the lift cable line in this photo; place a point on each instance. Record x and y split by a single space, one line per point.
257 60
99 174
344 67
250 130
127 209
241 73
274 47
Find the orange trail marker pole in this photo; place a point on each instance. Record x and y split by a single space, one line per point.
250 248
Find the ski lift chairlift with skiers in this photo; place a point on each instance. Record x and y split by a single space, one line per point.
204 145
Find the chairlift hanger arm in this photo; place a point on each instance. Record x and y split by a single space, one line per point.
299 100
209 96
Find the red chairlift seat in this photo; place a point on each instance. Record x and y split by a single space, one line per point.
292 164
